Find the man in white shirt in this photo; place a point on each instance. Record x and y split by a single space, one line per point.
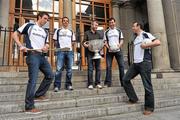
64 40
113 40
143 43
36 39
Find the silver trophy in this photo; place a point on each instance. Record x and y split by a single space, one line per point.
95 46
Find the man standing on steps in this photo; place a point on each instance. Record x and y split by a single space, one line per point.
64 40
114 41
142 43
92 34
35 38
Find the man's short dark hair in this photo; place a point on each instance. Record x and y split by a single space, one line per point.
94 21
41 14
65 18
139 24
110 19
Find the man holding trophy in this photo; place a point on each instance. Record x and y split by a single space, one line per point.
94 43
113 40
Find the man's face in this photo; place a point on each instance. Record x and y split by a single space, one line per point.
65 22
43 20
112 24
135 28
94 26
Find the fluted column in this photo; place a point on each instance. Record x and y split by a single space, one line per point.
157 26
68 10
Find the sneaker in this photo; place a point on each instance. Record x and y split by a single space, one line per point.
41 98
90 87
69 88
56 89
33 111
99 86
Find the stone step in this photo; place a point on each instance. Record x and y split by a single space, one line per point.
168 113
17 96
84 73
85 112
157 84
23 81
60 103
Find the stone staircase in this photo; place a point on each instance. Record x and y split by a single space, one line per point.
82 103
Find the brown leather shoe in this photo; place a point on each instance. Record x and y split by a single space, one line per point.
147 112
131 102
33 111
41 98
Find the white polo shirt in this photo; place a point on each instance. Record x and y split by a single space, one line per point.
65 38
139 53
114 37
36 36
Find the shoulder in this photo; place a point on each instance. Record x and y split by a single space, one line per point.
118 29
147 35
87 32
106 31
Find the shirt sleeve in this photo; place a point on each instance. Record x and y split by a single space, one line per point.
73 37
21 29
122 37
151 37
105 39
47 39
85 37
55 35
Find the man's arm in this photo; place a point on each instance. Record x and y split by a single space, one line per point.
121 43
154 43
16 38
84 42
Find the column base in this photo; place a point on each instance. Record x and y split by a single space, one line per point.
162 70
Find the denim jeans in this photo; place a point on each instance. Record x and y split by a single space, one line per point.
64 58
35 63
144 69
91 64
109 58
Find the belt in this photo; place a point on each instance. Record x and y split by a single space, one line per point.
36 53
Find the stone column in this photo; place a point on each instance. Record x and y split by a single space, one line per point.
171 13
157 27
116 12
4 12
68 10
4 16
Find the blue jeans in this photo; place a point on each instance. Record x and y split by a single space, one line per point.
67 59
35 63
91 64
109 58
144 69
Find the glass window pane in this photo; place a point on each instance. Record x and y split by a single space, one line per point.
44 5
99 12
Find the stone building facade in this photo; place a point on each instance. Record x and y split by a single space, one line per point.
160 17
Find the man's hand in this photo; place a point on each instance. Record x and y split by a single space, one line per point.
23 49
86 45
45 48
144 46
